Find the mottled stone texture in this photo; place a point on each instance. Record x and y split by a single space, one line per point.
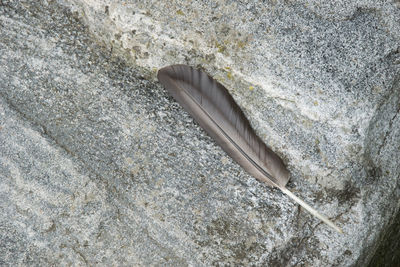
99 166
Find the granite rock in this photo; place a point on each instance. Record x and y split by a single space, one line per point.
100 166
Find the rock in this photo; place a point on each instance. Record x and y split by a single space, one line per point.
98 165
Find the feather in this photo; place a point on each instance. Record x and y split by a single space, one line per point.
211 105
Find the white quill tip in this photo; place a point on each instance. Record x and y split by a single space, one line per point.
311 209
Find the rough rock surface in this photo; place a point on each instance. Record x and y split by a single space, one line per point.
98 165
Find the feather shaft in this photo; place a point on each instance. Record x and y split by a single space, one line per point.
311 209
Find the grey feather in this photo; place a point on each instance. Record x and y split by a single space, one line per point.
211 105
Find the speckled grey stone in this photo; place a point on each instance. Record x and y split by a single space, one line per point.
98 165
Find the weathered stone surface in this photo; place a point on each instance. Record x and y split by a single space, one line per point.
99 166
